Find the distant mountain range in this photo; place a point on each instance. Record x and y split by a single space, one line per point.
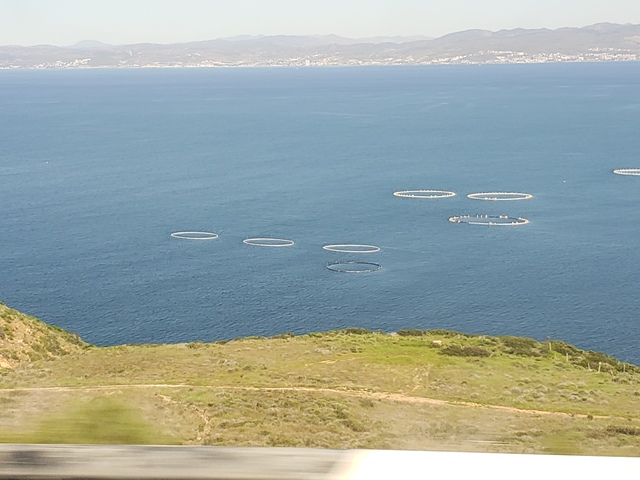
600 42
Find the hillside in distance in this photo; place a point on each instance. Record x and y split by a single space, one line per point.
599 42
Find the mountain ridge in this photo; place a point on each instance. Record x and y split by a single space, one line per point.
598 42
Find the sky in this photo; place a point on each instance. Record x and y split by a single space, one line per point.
65 22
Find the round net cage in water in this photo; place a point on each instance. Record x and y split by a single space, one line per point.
352 248
195 235
627 171
500 196
491 220
354 267
268 242
424 194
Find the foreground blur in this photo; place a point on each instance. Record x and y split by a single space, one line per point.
153 462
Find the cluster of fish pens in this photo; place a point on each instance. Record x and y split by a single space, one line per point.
354 266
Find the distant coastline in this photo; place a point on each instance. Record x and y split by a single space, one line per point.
602 42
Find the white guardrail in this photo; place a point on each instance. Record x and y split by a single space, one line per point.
60 462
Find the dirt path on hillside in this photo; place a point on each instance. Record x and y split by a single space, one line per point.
385 396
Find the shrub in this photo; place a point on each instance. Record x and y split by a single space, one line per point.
412 332
8 331
354 425
522 346
590 359
563 348
597 357
70 337
448 334
623 430
467 351
519 342
284 335
356 331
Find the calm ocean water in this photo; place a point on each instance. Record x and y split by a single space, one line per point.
98 167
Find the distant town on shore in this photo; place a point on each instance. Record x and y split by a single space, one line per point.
603 42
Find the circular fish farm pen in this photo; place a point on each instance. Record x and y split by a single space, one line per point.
490 220
354 267
500 196
352 248
424 194
268 242
195 235
627 171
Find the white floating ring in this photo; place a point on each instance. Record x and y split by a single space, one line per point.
352 248
195 235
627 171
268 242
491 220
500 196
424 194
354 267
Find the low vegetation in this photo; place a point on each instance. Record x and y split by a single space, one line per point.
24 338
342 389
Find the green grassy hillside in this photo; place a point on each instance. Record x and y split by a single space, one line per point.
344 389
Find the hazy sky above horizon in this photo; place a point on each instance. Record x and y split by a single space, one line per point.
65 22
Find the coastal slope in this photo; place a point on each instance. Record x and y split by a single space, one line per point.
25 338
353 388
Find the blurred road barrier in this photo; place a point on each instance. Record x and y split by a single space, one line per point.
98 462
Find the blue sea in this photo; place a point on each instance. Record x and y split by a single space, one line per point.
99 167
